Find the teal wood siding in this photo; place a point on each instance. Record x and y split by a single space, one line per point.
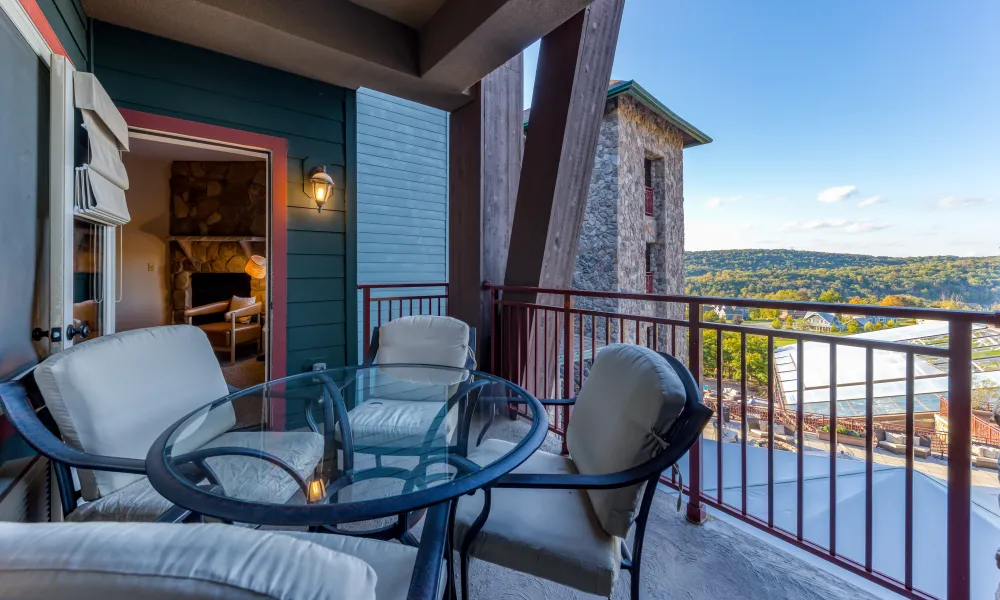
70 24
402 195
156 75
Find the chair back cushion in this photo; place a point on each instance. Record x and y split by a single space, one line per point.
424 340
236 304
119 561
115 395
623 412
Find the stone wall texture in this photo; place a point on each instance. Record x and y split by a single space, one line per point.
215 199
615 231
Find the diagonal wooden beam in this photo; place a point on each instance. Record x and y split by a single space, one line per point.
571 83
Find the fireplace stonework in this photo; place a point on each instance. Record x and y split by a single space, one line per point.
219 209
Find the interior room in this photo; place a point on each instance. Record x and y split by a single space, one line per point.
195 248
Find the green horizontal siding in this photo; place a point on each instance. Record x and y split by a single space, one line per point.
156 75
69 23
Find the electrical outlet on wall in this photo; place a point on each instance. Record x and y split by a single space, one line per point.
150 267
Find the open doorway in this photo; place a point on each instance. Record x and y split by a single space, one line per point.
196 248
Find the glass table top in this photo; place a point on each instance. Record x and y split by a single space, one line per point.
356 442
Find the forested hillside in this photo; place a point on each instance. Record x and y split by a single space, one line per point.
758 273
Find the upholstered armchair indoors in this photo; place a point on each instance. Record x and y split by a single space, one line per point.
566 518
99 406
122 561
241 325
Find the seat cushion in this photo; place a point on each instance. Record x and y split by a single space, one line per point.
553 534
399 423
424 340
114 561
393 562
242 477
621 417
115 395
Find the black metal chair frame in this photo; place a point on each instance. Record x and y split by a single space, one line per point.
334 408
27 413
681 436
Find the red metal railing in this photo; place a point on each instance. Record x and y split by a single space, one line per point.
392 300
649 204
649 282
546 339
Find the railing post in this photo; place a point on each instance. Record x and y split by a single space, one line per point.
493 327
695 510
959 458
366 302
567 364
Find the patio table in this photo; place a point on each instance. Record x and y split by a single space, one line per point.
427 419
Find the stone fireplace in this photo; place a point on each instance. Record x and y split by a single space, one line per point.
218 219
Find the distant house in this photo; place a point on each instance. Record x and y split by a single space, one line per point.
863 320
795 314
731 312
823 321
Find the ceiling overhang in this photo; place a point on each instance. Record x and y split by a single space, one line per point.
428 51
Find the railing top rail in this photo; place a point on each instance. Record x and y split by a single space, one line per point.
375 286
933 314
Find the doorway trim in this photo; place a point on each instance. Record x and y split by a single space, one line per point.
277 148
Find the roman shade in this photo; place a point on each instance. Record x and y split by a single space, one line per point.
101 182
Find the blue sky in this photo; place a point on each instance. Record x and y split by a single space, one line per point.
868 126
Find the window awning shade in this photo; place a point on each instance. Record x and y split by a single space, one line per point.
102 181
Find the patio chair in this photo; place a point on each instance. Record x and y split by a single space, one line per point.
122 561
758 429
566 518
240 325
109 399
398 412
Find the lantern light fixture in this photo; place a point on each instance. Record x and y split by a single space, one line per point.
322 187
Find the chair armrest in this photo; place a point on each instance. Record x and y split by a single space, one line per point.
174 514
426 579
207 309
16 405
254 309
557 401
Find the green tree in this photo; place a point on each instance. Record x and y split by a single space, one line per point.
853 326
831 296
776 323
788 322
755 314
869 326
709 316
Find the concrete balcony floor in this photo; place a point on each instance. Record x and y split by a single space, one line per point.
714 561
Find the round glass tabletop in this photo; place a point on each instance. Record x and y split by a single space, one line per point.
345 445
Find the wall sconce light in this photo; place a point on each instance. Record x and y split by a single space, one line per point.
321 184
256 267
317 491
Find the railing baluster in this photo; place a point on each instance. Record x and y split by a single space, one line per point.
869 452
770 435
959 460
833 449
545 349
538 341
908 507
743 422
800 442
695 511
593 340
580 334
567 362
379 313
607 331
719 410
366 304
656 337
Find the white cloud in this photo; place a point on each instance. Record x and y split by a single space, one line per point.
717 201
840 225
871 201
837 194
953 202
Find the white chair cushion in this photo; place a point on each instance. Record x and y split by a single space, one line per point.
622 414
395 423
553 534
246 478
112 561
393 562
424 340
115 395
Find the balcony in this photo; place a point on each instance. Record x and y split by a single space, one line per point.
874 474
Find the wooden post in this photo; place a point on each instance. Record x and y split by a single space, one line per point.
571 85
485 159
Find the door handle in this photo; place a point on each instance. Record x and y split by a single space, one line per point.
83 331
38 334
